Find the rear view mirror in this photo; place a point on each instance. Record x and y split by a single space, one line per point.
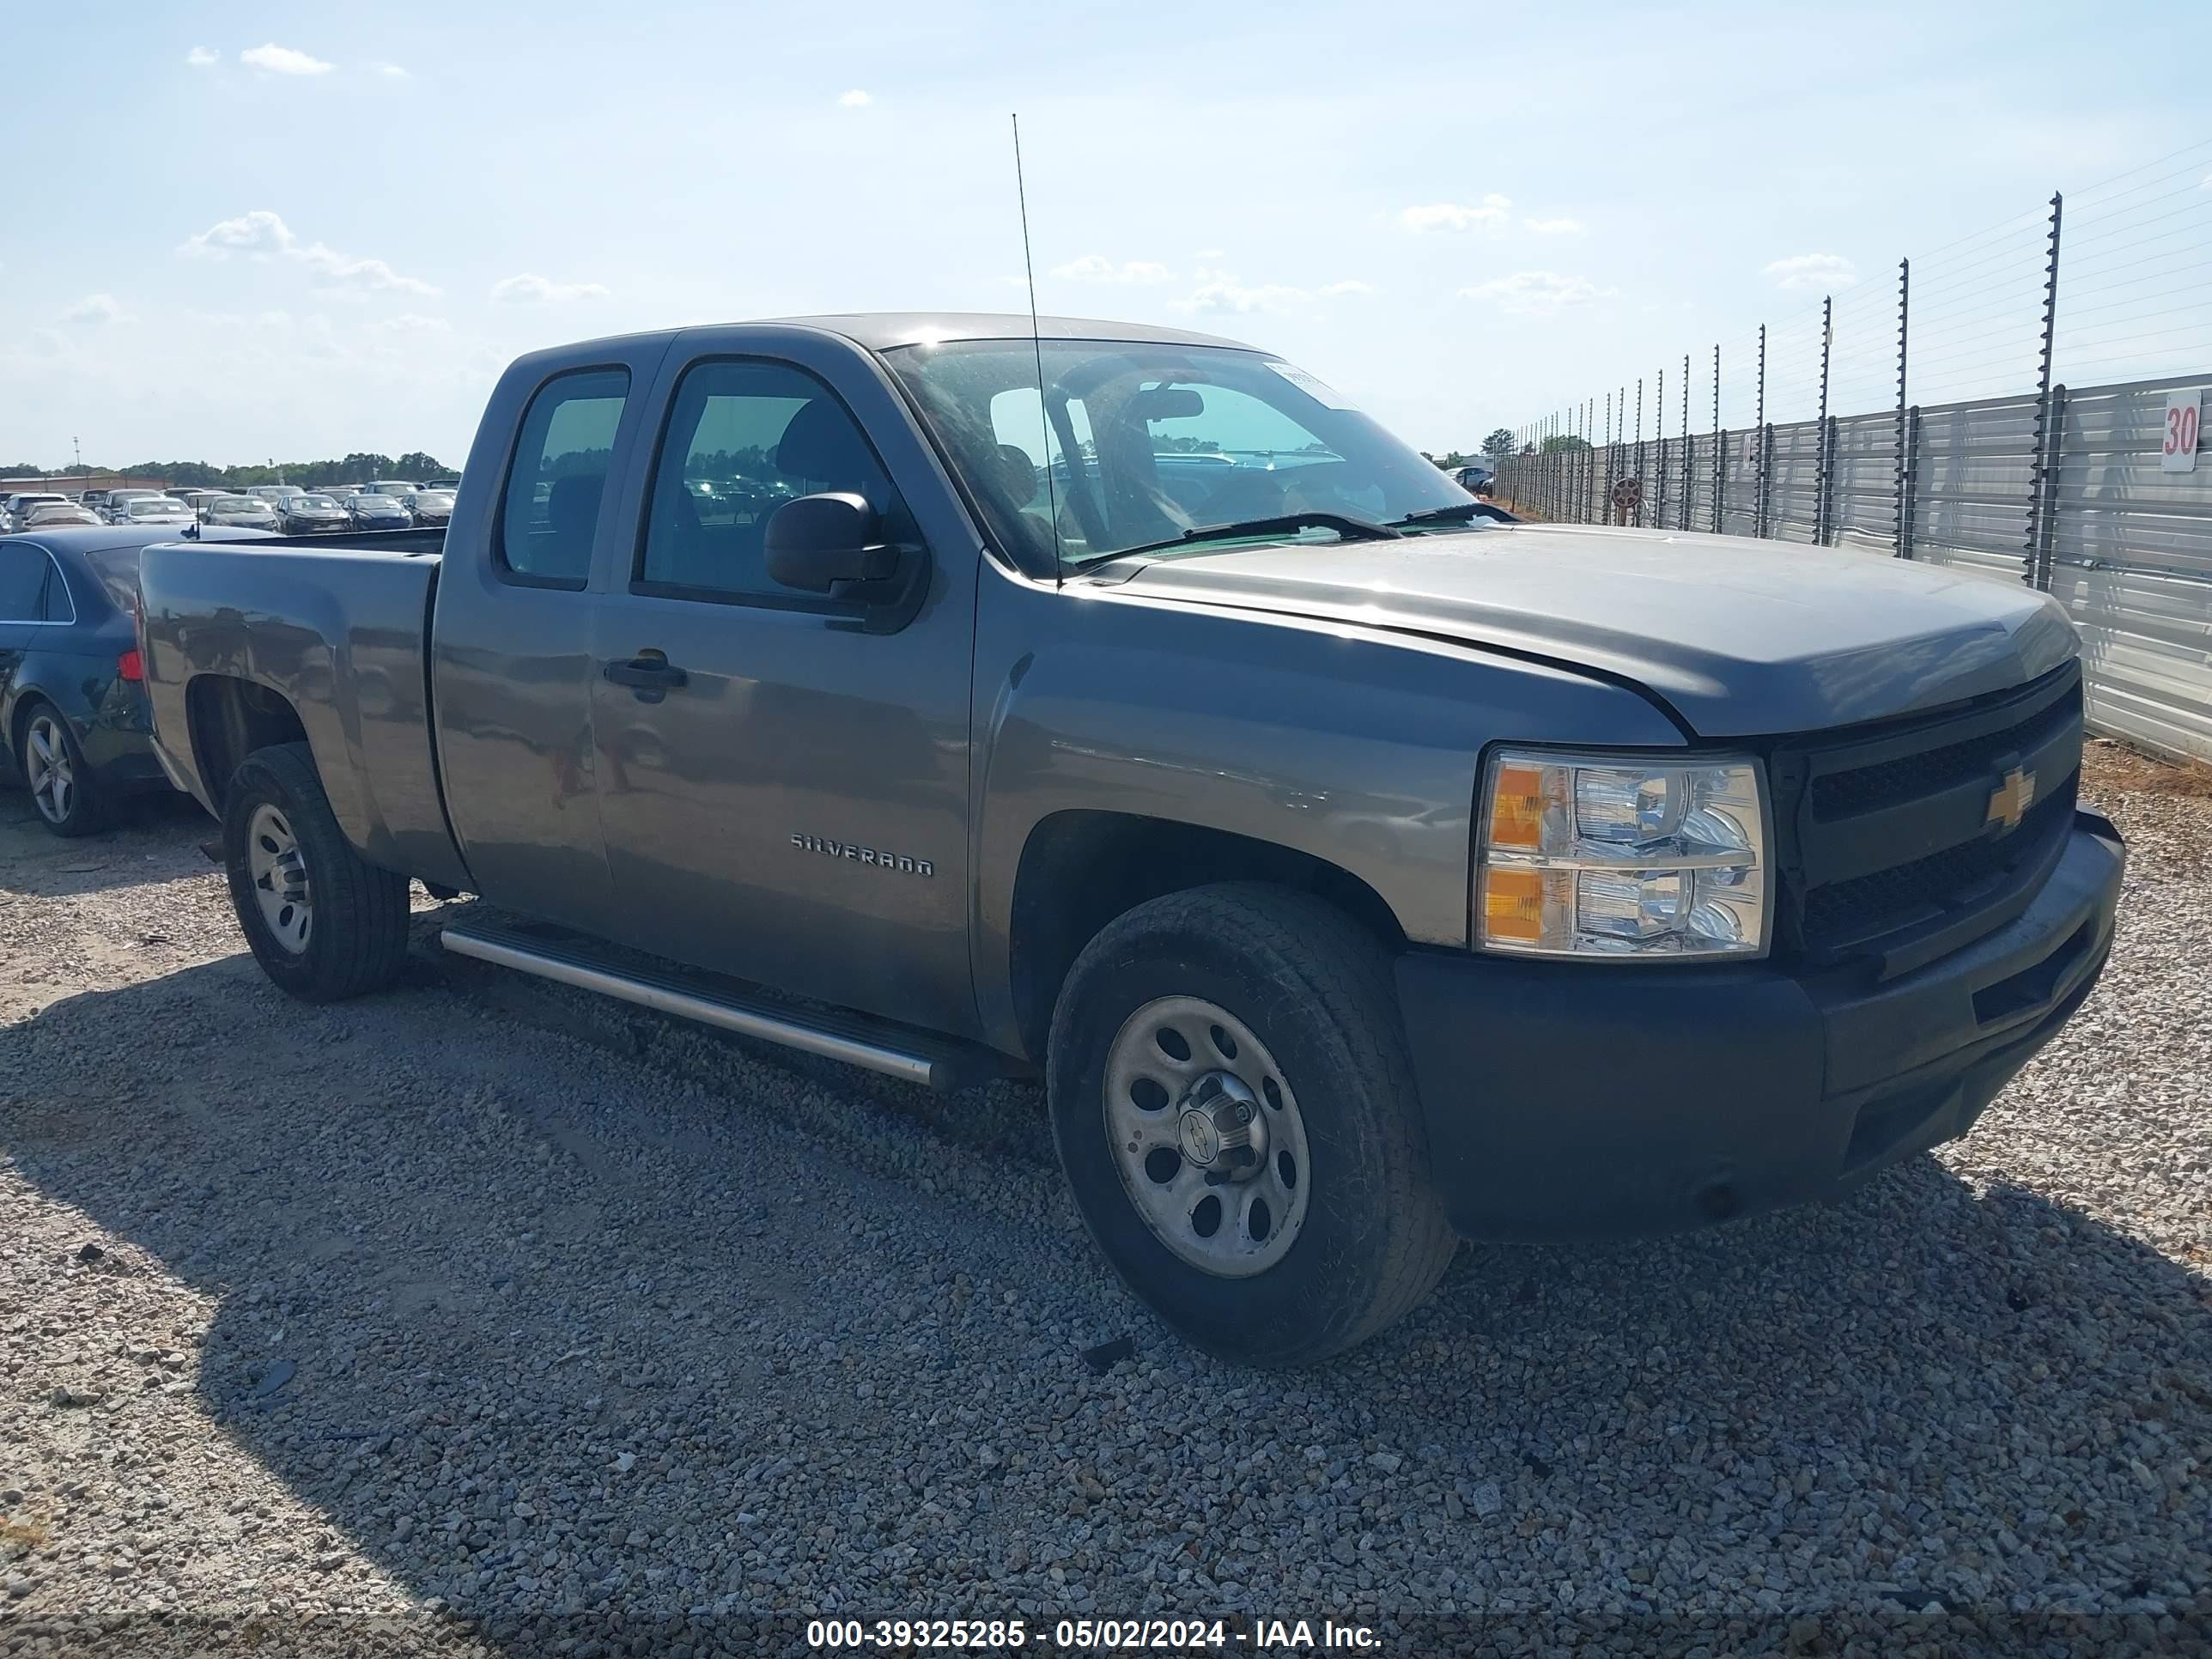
1167 402
819 543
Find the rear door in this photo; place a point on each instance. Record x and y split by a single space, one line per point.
785 793
23 566
512 654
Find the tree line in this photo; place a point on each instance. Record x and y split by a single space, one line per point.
360 467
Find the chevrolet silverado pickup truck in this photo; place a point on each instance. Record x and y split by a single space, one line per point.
1358 873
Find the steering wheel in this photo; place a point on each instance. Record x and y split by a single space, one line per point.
1261 493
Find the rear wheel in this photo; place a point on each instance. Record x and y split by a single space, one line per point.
322 922
1234 1108
64 788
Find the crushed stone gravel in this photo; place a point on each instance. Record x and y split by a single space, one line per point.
481 1316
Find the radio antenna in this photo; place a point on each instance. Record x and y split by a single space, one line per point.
1037 345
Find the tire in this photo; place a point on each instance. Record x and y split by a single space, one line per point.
65 792
1311 994
347 934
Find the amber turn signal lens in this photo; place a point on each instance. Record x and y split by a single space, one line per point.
1513 905
1517 808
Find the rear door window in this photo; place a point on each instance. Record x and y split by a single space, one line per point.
559 478
22 582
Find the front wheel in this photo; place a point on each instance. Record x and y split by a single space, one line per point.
1235 1109
323 924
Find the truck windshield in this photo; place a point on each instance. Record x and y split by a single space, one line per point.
1135 443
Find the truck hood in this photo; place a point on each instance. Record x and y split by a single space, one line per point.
1742 638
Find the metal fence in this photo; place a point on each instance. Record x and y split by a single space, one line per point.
2078 490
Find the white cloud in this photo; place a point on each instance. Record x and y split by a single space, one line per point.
854 99
1350 285
1097 268
1210 253
283 60
1488 214
392 70
1557 226
94 310
1536 293
202 57
1812 270
531 289
262 234
1221 293
413 322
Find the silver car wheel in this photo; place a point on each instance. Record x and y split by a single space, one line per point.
1207 1136
47 766
279 873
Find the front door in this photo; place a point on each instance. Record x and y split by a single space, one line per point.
784 795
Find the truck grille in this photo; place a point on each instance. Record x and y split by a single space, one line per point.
1893 835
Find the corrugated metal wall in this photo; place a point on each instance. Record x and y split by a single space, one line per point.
2129 544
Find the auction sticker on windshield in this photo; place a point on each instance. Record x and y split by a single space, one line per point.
1319 391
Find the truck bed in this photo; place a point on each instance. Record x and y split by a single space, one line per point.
332 628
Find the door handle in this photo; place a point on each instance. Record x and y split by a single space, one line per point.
646 674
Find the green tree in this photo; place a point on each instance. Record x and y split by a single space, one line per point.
1563 442
1497 445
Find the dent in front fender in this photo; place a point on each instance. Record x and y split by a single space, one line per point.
1355 747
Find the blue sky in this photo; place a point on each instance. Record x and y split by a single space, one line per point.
296 230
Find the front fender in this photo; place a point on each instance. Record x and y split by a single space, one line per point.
1350 745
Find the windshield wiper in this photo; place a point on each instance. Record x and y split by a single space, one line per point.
1284 524
1457 512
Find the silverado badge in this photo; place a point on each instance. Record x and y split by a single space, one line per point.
2010 800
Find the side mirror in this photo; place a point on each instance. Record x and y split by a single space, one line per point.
820 544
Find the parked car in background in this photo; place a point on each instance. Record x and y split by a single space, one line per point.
429 507
447 485
58 513
73 716
241 513
305 515
94 499
394 488
369 512
118 500
157 510
11 511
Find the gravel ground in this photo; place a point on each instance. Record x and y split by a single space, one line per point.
482 1317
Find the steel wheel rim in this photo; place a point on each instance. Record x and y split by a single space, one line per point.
1257 1209
47 766
278 870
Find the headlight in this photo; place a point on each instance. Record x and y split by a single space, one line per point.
1589 855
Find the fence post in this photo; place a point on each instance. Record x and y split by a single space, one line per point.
1659 445
1640 468
1682 512
1829 429
1908 494
1820 431
1720 481
2048 516
1766 444
1903 314
2035 576
1720 442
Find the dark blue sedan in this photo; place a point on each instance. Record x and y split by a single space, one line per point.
73 716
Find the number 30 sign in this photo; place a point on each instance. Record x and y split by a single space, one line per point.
2184 413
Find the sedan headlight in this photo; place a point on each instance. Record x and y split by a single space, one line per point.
1590 855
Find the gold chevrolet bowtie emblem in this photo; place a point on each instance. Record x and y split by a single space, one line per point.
2010 800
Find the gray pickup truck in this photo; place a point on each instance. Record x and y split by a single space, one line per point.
1122 706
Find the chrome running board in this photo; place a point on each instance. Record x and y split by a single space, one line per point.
935 1062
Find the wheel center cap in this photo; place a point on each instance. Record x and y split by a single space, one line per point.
1221 1126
